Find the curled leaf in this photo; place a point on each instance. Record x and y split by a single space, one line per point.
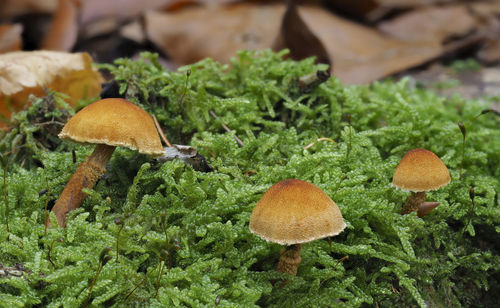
25 73
10 37
296 36
63 31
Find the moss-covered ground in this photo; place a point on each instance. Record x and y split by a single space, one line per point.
182 235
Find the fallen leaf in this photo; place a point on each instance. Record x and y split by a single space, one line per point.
435 24
134 31
485 8
362 54
96 9
100 27
298 38
63 31
358 9
25 73
10 37
194 33
490 52
487 12
409 4
13 8
374 10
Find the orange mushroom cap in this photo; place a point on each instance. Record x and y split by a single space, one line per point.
294 211
420 170
115 122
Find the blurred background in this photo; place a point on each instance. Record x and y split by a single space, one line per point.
453 46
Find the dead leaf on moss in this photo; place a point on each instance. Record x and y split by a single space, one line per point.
25 73
298 38
10 37
360 54
63 31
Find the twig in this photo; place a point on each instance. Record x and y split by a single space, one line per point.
159 277
226 128
319 140
49 123
48 253
140 283
103 259
162 135
181 100
118 221
461 126
4 162
472 195
350 135
309 82
344 258
46 203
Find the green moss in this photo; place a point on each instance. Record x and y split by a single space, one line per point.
192 227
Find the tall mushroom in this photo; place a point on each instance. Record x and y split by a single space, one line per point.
293 212
419 171
108 123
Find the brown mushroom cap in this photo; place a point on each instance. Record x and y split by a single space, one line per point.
420 170
294 211
115 122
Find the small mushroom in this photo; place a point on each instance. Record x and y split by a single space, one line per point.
293 212
419 171
108 123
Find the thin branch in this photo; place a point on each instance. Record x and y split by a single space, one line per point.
6 200
226 128
162 135
49 123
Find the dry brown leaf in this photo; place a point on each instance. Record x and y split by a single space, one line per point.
96 9
134 31
490 52
374 10
194 33
13 8
360 54
298 38
488 12
431 24
63 31
25 73
400 4
10 37
486 8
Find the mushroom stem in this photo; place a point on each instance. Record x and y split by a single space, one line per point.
413 201
289 259
85 176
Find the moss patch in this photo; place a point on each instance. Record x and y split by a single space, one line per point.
192 227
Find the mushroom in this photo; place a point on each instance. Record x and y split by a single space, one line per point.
108 123
419 171
293 212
